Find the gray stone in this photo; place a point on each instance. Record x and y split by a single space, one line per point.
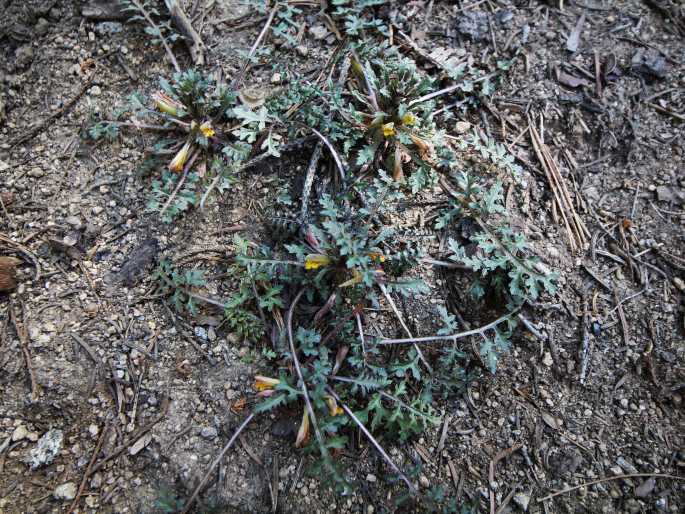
209 433
47 449
42 26
108 28
462 127
626 466
23 55
65 492
74 221
473 25
19 433
649 63
522 500
201 332
319 32
104 10
645 488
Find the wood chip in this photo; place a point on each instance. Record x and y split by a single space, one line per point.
550 420
140 444
573 40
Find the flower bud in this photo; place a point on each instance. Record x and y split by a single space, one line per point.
180 159
166 104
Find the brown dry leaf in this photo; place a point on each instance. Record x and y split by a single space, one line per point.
201 169
184 368
569 80
8 273
397 173
7 198
239 405
303 432
86 65
550 420
253 97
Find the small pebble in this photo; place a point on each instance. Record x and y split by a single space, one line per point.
319 32
65 492
19 433
201 332
209 433
42 27
522 500
462 127
679 283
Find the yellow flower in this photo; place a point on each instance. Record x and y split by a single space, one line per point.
207 129
356 279
409 119
377 256
333 408
262 383
316 260
166 104
303 432
181 157
389 129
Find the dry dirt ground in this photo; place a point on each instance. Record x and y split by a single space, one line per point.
107 356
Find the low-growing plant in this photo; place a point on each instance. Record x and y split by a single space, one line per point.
341 267
178 285
326 293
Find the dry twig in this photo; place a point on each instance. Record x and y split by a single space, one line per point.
22 334
33 132
491 470
154 26
384 290
575 228
375 443
451 337
182 22
608 479
215 463
82 486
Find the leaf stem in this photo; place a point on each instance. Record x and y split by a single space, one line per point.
452 337
375 443
147 17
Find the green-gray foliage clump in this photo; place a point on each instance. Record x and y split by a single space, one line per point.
177 284
306 298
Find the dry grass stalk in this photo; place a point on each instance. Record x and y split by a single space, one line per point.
576 230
